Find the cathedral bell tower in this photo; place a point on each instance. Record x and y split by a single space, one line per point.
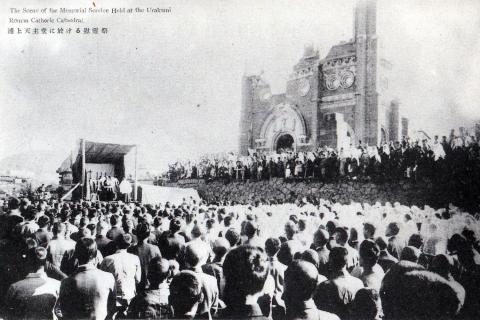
366 110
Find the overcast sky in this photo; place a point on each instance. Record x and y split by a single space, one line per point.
141 82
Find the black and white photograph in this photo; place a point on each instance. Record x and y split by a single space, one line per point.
241 159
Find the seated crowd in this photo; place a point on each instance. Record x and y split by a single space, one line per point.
415 160
311 259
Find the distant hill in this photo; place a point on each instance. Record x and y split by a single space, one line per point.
40 166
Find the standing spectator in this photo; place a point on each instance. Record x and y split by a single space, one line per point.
369 271
385 259
341 238
153 302
36 295
116 227
89 293
215 268
300 284
195 256
104 245
185 295
336 294
320 240
59 246
145 252
246 271
126 270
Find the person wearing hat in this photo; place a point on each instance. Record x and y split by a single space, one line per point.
126 269
35 296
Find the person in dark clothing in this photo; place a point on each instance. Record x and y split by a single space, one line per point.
185 295
300 284
245 269
145 252
152 303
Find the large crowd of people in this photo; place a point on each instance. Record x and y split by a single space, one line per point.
312 259
407 159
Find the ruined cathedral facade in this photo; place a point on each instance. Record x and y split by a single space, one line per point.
340 100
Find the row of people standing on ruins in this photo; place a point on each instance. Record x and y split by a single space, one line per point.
390 162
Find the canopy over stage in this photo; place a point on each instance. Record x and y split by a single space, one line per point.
90 161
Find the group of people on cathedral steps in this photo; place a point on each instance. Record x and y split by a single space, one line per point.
303 260
439 160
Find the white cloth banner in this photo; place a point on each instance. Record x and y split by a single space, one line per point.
156 194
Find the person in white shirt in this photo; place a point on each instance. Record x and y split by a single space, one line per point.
125 268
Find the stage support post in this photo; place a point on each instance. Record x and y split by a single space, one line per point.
83 169
135 177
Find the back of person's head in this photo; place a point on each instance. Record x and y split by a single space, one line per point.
102 228
311 256
416 240
220 247
13 203
365 305
391 283
300 282
392 229
157 221
250 229
353 238
410 253
30 213
457 243
369 253
175 225
123 241
302 224
337 258
369 230
233 237
158 271
59 228
245 270
272 245
320 238
421 294
185 293
442 264
227 221
381 243
85 250
291 228
331 226
143 231
36 258
198 230
341 236
195 254
114 220
43 221
288 250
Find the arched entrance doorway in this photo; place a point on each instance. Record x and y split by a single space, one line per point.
284 142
